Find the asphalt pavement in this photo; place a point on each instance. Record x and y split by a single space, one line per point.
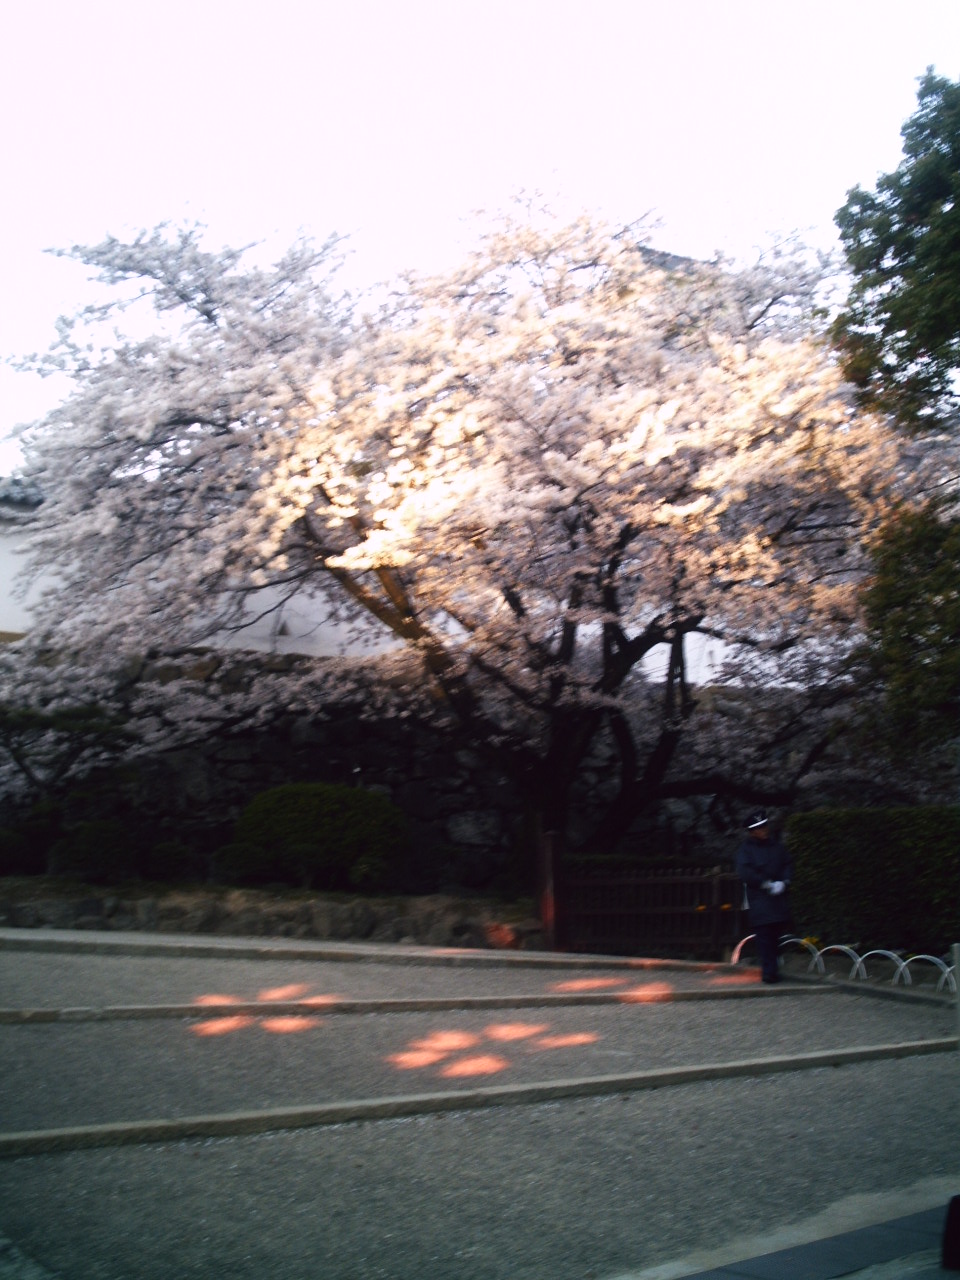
353 1112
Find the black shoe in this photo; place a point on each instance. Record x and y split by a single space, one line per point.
776 978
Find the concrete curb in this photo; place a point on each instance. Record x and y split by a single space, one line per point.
426 1004
217 947
866 1235
240 1123
902 993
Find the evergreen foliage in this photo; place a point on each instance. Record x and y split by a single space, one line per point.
878 877
913 616
317 835
17 856
899 335
100 851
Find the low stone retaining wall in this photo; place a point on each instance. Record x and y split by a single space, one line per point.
435 920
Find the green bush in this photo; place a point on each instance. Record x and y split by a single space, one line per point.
318 836
106 828
26 842
170 860
99 851
878 877
238 863
18 857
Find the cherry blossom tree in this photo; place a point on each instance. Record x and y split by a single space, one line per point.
545 476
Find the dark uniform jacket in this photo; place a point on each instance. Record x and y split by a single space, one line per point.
759 861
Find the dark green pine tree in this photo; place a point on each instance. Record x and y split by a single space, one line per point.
913 616
899 335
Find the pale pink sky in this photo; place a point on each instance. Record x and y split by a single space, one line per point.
393 121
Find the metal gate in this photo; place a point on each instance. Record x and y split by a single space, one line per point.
655 910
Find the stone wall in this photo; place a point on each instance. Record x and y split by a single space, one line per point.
465 819
436 920
467 816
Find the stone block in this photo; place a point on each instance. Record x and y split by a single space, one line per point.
56 915
474 827
439 934
418 799
361 920
146 913
24 915
201 918
389 929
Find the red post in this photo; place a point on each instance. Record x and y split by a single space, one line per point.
548 906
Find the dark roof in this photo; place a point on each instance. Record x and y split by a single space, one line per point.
19 498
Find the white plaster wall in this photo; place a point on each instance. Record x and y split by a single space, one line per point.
305 631
14 609
304 628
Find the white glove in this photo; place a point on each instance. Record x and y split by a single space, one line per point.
777 887
767 886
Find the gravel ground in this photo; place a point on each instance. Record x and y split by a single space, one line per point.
67 1073
51 981
586 1190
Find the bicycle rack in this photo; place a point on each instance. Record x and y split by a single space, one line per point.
847 951
945 972
784 941
947 980
890 955
816 962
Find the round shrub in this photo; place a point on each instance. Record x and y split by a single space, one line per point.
237 863
319 836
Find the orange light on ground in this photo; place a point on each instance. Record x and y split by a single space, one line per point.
446 1041
587 984
284 993
481 1065
735 979
441 1046
569 1041
506 1031
650 993
414 1059
285 1026
222 1026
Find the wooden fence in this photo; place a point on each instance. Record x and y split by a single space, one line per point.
656 910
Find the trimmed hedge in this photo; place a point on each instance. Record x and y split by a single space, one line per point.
878 877
18 856
99 851
318 836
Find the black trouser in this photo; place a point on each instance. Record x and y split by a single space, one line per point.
768 945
